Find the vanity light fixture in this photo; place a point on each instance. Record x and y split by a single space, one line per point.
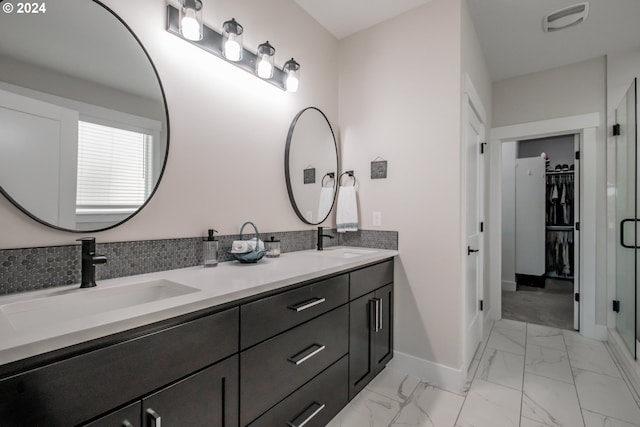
227 45
292 75
232 40
264 63
191 19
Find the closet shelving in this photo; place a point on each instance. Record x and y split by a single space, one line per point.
560 227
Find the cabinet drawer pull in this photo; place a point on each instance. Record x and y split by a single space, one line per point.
126 423
306 354
306 304
307 415
156 420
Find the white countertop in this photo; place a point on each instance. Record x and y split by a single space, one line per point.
225 283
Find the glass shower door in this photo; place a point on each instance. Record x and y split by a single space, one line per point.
627 219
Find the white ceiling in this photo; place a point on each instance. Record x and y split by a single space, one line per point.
510 31
345 17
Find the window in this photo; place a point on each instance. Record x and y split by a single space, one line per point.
115 173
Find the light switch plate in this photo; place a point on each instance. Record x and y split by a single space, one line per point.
377 219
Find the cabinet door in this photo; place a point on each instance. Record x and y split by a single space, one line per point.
208 398
128 416
361 343
383 341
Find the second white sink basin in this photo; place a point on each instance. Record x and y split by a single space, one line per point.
342 252
78 303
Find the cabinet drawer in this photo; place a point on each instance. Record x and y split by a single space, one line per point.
269 316
277 367
79 388
120 418
316 402
370 278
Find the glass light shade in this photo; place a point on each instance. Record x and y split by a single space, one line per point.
264 61
232 40
191 19
291 75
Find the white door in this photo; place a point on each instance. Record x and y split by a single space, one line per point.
44 137
474 138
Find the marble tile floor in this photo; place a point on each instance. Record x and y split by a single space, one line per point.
523 375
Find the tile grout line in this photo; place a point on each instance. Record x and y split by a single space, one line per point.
575 387
474 374
524 367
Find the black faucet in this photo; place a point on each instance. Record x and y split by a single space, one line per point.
320 238
89 261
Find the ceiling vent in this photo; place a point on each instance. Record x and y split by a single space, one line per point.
565 17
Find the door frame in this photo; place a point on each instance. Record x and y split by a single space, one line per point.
472 104
585 125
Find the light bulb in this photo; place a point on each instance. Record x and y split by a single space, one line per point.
190 26
265 69
232 50
292 84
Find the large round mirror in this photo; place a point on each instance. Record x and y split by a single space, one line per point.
311 165
84 126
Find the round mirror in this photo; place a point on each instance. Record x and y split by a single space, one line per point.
85 129
311 165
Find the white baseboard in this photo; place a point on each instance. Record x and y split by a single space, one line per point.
508 285
630 367
441 376
596 332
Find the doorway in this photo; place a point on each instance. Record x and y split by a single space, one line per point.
540 256
585 126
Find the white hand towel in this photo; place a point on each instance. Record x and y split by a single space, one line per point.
326 202
240 247
244 246
347 210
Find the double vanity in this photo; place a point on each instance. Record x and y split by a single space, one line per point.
286 341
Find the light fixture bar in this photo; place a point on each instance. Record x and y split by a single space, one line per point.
212 43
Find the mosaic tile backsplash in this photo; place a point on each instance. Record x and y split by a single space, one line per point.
23 270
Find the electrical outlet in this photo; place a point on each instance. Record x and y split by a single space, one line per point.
377 219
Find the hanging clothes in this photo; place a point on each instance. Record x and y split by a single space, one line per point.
560 252
560 193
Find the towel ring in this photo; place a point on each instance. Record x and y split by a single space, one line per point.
330 175
350 173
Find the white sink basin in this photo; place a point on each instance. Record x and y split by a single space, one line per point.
340 252
78 303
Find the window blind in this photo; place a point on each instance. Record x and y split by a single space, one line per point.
114 169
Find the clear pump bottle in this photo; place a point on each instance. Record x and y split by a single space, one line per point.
210 250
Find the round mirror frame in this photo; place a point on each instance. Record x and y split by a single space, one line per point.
166 154
287 171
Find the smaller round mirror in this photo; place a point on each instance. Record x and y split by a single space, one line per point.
311 165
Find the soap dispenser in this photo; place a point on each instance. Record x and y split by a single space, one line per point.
210 250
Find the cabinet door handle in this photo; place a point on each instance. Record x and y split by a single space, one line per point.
373 315
307 415
126 423
306 304
156 420
376 315
306 354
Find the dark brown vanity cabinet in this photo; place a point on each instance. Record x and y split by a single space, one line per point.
291 358
77 389
370 324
